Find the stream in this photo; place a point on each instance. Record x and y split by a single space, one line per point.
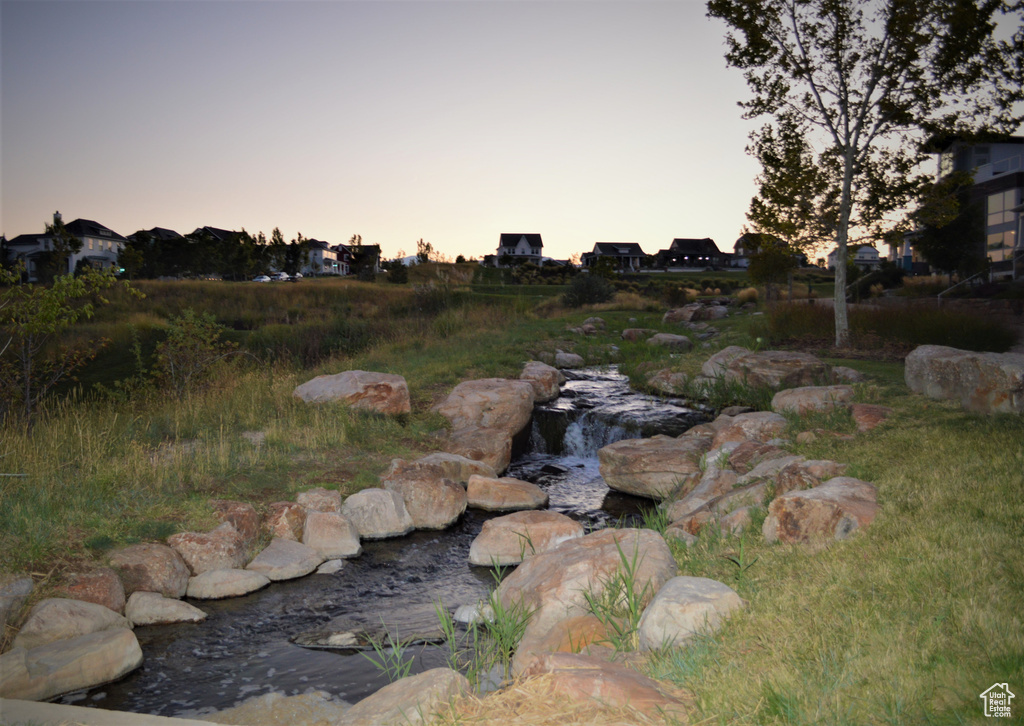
245 649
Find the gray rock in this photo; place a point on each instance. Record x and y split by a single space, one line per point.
331 567
670 340
655 468
151 567
58 618
807 399
151 608
285 560
378 514
432 503
219 584
492 403
568 360
982 382
409 701
684 607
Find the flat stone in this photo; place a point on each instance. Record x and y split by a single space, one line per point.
285 560
220 549
582 678
439 465
672 341
833 511
656 468
504 494
151 567
510 539
384 393
568 360
408 701
320 500
867 416
760 426
808 399
69 665
58 618
683 607
777 369
219 584
101 586
277 709
378 514
331 534
981 382
331 567
151 608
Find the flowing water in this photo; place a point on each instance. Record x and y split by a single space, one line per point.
245 647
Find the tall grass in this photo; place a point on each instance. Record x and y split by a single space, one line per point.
907 327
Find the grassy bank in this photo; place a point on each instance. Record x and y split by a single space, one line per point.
907 622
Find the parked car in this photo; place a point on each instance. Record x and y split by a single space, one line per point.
280 277
261 278
297 276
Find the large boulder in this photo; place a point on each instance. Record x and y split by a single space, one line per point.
981 382
220 549
285 520
242 516
668 381
490 403
218 584
439 465
68 665
331 534
504 494
716 365
408 701
546 380
832 511
808 399
150 608
684 607
378 514
567 360
274 708
553 585
432 503
584 679
319 499
510 539
760 426
672 341
654 468
682 315
101 586
284 559
58 618
777 369
151 568
491 447
380 392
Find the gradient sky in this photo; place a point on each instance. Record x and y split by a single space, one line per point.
448 121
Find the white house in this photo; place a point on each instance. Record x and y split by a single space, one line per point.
519 247
100 247
321 259
865 257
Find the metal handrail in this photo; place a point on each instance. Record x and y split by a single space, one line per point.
938 298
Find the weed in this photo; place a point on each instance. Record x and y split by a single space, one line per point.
619 603
389 656
655 518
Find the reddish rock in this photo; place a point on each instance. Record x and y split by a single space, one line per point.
656 468
504 494
575 635
241 515
760 426
102 587
749 454
151 567
490 403
808 399
634 335
285 520
583 678
546 380
832 511
379 392
777 369
218 549
489 446
868 416
319 499
510 539
432 503
806 475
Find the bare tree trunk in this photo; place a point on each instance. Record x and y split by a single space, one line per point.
842 235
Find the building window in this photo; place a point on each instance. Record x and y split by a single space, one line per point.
1000 246
999 206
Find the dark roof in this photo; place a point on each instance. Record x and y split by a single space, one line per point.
512 239
27 239
215 232
620 249
936 144
162 233
88 228
317 244
703 246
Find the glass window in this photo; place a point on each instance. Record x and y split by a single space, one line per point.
995 203
996 248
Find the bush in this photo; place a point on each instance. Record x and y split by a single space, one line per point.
184 360
747 295
588 290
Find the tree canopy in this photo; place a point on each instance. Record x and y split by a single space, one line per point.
854 90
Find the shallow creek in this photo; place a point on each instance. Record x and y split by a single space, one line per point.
244 648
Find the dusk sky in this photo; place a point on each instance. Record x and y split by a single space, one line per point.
448 121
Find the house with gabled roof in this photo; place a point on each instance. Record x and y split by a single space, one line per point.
690 252
626 256
517 247
100 247
321 259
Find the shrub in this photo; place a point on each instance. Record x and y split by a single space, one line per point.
588 290
184 360
747 295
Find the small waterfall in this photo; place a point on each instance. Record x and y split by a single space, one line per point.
585 436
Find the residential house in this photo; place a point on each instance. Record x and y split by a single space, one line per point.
518 247
865 257
343 253
320 259
626 256
686 252
100 247
997 167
